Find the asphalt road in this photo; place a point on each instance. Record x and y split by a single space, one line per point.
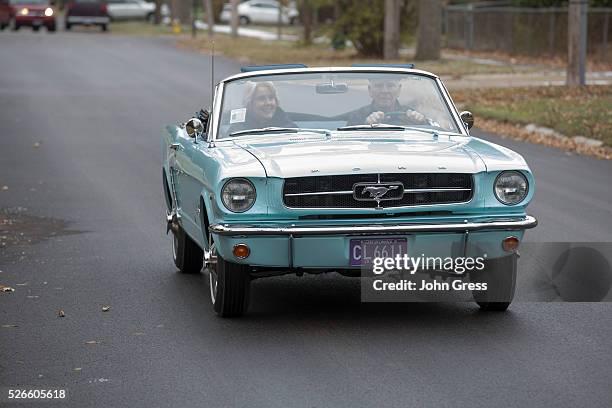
80 122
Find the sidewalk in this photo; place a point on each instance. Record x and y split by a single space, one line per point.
544 78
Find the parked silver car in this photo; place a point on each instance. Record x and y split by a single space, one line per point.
260 12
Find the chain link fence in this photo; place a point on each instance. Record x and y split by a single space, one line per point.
525 31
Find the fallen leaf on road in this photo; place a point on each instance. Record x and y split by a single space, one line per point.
6 326
4 188
77 369
138 334
6 288
32 296
61 313
23 284
105 308
37 144
92 342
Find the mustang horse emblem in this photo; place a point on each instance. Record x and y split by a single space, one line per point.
377 192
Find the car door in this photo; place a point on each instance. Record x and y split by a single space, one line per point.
117 9
136 9
269 12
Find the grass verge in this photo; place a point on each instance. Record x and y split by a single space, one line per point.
570 111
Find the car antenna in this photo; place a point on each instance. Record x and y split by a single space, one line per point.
212 73
212 83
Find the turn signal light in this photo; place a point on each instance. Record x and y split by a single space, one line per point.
510 244
241 251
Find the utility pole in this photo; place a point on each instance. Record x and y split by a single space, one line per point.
577 43
210 18
235 20
392 29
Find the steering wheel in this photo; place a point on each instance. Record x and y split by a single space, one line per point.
395 115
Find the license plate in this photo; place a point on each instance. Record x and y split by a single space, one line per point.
363 251
36 22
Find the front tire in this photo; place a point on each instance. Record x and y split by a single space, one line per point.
230 285
187 255
244 20
104 27
500 276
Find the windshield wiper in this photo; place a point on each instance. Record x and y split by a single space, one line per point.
374 126
277 130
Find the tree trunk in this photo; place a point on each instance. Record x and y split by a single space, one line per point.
430 27
392 29
279 21
157 16
234 22
306 13
210 17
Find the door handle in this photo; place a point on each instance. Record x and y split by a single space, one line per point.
174 146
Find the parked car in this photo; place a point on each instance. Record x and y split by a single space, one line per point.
86 12
296 167
6 14
260 12
33 13
130 9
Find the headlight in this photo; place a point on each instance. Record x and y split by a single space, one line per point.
511 187
238 195
48 12
24 11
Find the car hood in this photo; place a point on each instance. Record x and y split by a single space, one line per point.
298 155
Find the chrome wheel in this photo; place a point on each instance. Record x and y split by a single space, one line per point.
174 245
210 263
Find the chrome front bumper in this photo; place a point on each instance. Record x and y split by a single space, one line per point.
509 224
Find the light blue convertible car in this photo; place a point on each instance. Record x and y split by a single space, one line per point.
301 170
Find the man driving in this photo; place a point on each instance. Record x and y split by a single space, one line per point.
385 107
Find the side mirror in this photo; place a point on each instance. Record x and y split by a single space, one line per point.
194 128
467 118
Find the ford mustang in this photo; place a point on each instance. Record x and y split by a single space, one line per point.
299 170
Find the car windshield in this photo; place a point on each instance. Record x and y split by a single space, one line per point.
343 101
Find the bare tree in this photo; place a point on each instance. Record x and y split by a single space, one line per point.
157 15
306 11
392 29
210 18
430 28
235 20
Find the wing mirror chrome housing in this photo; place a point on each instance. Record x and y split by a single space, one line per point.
194 128
467 118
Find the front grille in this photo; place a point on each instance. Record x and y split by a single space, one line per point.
337 191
